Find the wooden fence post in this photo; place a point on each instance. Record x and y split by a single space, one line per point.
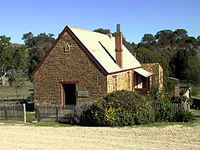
38 113
6 113
24 110
56 113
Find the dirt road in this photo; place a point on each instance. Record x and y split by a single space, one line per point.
47 138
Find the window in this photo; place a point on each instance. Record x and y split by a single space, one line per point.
115 83
129 81
138 82
67 48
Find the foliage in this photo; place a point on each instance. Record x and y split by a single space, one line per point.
119 108
192 71
196 91
37 46
12 56
169 85
165 112
154 92
16 79
148 38
180 100
77 116
103 31
174 50
180 62
184 116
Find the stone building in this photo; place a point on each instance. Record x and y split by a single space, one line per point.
157 78
83 65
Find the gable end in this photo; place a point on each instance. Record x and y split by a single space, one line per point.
79 43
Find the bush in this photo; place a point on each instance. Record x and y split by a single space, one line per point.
180 100
196 90
169 85
77 116
154 92
184 116
164 112
119 108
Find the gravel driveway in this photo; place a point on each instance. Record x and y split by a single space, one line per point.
58 138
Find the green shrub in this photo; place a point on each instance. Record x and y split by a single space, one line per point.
196 90
180 100
184 116
169 85
77 116
154 92
119 108
165 110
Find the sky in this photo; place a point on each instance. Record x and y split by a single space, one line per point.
137 17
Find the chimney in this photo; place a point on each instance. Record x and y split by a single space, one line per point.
118 47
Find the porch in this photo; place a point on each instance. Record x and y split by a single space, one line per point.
142 81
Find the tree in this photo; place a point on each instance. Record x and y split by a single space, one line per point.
180 64
165 38
101 30
4 41
145 55
37 47
5 53
192 72
180 33
148 39
20 57
16 79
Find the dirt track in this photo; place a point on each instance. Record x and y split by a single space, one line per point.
47 138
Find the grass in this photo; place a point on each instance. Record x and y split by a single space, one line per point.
9 92
31 120
195 122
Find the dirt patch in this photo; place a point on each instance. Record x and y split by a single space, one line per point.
47 138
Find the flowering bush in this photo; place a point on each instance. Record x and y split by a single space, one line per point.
119 108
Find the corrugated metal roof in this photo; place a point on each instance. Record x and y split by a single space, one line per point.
143 72
102 47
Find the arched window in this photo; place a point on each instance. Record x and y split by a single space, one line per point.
67 48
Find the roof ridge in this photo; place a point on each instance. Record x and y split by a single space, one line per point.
107 35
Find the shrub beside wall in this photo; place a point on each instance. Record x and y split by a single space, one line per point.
120 108
123 108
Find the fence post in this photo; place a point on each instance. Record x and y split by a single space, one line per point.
6 113
38 113
24 110
56 113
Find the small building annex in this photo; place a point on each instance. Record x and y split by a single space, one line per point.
84 65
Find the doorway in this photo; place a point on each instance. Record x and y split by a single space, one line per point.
69 94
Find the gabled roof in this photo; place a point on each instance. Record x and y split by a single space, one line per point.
100 49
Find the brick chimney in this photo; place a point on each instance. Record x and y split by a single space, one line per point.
118 47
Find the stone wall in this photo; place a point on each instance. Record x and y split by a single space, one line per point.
71 65
120 81
157 78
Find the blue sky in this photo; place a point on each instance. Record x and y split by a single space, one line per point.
136 17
